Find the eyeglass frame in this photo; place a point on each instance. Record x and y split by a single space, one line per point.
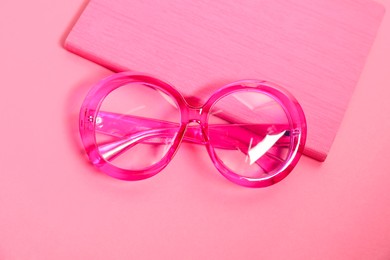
189 114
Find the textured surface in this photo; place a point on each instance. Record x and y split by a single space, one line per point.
54 205
316 49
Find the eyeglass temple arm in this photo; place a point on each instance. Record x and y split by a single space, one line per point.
132 130
112 149
123 125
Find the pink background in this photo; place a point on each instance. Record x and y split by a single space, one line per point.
314 48
54 205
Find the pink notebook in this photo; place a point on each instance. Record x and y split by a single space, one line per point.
314 48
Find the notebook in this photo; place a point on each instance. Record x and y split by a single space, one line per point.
314 48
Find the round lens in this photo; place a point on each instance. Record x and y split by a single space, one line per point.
136 126
250 133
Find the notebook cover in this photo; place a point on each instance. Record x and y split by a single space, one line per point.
314 48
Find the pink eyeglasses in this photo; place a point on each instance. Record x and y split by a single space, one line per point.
132 124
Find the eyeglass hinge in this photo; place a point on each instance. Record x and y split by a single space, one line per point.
88 119
295 132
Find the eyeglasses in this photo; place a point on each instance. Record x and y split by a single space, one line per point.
132 124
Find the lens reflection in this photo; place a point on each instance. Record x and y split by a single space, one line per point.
250 133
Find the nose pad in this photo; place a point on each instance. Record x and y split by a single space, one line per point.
194 133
